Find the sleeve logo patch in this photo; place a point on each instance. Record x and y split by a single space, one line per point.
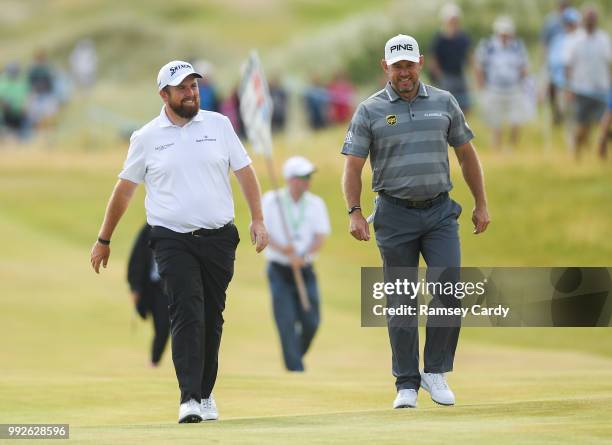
349 137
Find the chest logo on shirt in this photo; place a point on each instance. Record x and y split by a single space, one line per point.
206 139
432 115
391 119
164 146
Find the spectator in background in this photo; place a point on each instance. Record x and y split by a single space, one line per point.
316 100
501 68
587 61
308 225
147 293
604 129
279 104
44 103
340 94
84 64
553 27
14 99
230 107
449 56
209 99
40 75
556 54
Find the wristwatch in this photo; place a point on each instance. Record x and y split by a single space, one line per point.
354 208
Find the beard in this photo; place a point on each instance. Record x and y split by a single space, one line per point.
407 86
186 111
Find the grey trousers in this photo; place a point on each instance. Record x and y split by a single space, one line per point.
402 234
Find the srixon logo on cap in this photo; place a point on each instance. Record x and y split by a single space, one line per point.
175 68
402 46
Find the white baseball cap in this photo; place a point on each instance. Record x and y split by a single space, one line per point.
173 73
401 47
297 166
504 25
450 11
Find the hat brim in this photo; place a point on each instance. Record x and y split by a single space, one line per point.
415 59
182 77
306 172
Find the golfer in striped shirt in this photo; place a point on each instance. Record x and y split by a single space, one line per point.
405 129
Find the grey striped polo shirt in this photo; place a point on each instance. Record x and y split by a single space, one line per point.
408 141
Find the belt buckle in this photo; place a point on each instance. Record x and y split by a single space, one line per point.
195 234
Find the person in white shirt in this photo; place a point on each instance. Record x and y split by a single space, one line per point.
587 64
308 225
184 156
501 70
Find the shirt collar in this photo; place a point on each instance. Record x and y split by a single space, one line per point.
393 96
165 122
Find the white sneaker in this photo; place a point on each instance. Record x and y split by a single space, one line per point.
406 398
435 384
208 408
190 412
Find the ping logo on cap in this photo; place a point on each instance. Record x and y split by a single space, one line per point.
400 47
175 68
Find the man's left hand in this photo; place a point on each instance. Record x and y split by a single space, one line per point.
480 218
259 235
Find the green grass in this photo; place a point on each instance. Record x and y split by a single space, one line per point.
72 352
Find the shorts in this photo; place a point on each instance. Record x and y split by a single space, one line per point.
507 108
587 110
457 86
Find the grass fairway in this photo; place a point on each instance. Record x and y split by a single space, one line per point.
70 351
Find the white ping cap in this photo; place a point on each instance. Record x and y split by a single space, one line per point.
401 47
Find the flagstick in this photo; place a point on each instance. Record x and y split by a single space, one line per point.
297 272
256 112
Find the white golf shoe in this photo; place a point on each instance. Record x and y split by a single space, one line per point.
406 398
190 412
209 409
435 384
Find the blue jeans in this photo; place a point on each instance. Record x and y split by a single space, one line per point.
296 327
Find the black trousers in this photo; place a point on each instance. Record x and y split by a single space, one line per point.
195 273
161 322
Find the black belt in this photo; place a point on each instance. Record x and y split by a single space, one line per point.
162 232
207 232
414 204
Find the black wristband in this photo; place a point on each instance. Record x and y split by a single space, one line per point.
106 242
354 208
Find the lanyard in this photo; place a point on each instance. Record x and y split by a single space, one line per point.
295 221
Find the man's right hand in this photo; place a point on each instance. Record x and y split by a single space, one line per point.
359 226
99 255
296 261
135 297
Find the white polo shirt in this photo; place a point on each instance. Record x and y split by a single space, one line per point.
186 170
305 219
589 56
